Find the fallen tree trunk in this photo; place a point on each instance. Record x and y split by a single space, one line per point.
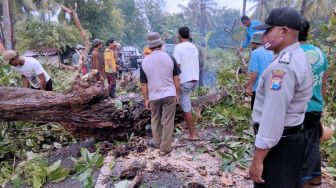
85 110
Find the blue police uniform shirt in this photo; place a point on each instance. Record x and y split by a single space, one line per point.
250 31
319 65
260 59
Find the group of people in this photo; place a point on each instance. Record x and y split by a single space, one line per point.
287 82
167 80
108 65
287 89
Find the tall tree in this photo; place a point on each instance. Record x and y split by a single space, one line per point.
7 24
200 12
244 7
102 18
135 23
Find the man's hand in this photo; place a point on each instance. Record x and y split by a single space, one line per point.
255 172
249 91
147 104
177 99
241 49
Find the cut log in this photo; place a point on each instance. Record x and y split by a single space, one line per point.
85 110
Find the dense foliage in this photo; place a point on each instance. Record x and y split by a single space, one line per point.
38 35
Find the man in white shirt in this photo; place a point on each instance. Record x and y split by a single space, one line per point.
32 73
186 55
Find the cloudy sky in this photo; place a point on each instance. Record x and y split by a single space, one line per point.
236 4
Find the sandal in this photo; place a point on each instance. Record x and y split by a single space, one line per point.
162 153
191 139
151 144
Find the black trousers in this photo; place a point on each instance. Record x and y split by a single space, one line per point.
312 164
49 86
283 164
252 100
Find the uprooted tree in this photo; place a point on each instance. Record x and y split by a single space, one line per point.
85 110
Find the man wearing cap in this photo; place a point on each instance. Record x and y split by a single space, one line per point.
160 84
319 64
186 55
282 95
97 59
259 61
249 24
111 66
32 73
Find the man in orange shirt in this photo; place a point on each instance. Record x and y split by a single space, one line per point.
111 66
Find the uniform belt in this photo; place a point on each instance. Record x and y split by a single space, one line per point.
287 130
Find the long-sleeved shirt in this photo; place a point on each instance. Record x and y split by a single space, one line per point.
282 95
250 31
98 62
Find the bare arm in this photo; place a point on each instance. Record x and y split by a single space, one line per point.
178 87
25 81
144 88
42 81
252 79
257 166
324 84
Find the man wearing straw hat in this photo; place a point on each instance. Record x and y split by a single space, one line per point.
160 84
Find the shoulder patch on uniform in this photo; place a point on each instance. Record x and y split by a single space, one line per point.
285 58
277 77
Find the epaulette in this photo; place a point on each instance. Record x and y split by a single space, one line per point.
285 58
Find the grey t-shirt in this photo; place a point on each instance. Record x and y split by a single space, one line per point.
158 70
282 95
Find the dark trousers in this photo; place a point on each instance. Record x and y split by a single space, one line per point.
283 164
312 164
112 81
49 86
253 99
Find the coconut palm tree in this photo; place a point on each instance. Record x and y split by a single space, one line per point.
313 9
7 24
200 12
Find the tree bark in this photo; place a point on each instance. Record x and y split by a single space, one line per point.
7 24
85 110
244 7
303 7
73 13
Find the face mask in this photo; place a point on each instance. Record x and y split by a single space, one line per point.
269 42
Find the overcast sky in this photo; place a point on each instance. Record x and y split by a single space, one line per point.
236 4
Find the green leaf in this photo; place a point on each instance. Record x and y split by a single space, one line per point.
86 155
53 167
331 171
111 164
37 182
58 175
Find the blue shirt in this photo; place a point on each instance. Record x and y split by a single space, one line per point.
250 31
259 61
319 65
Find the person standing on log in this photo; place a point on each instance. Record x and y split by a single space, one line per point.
111 66
312 122
259 61
160 84
97 59
32 73
186 55
283 93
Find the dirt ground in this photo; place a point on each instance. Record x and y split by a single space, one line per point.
184 167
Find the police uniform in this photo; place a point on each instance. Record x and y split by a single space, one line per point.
281 99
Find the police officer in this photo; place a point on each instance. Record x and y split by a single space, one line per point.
281 99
